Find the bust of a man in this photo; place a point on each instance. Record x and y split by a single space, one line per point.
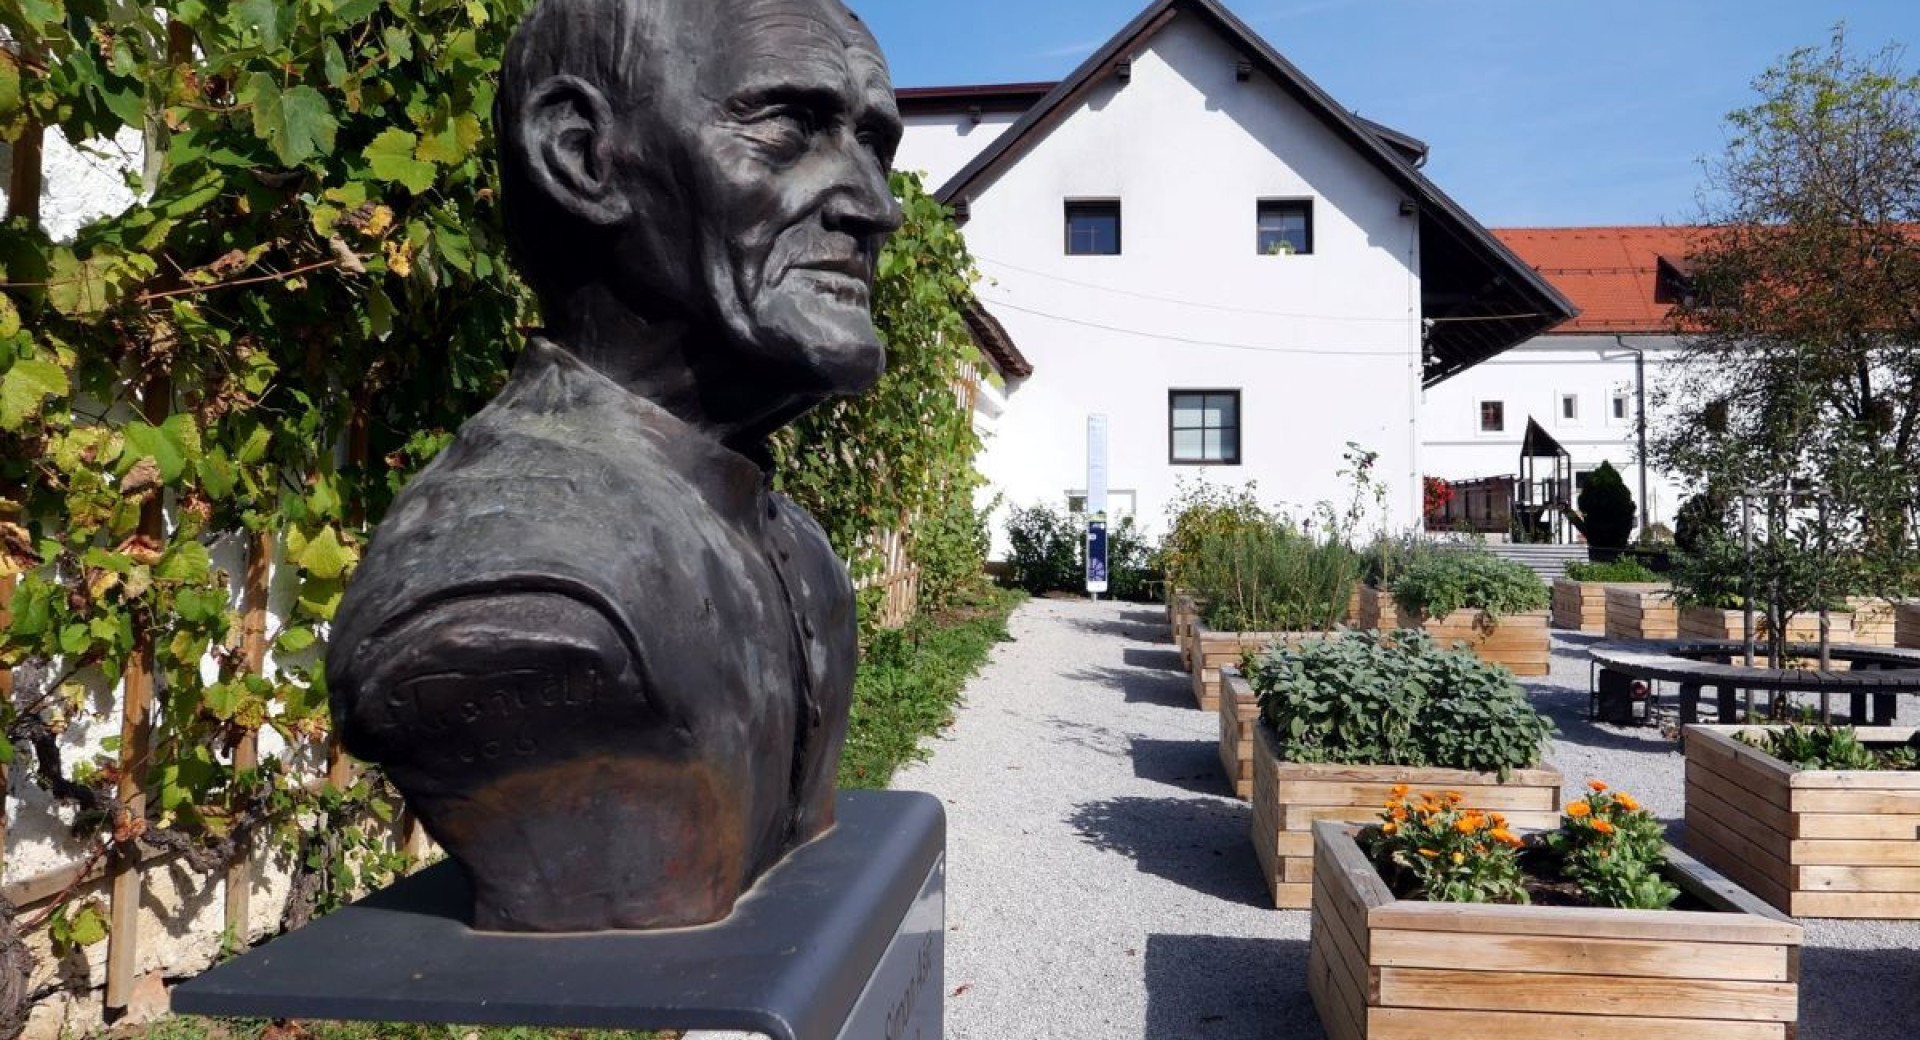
606 664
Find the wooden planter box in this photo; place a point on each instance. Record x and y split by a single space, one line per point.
1182 612
1714 623
1290 797
1813 843
1641 612
1239 717
1375 609
1521 642
1581 606
1381 968
1213 651
1906 626
1875 622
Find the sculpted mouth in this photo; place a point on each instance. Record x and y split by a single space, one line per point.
844 280
850 266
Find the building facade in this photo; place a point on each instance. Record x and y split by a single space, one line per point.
1584 382
1190 238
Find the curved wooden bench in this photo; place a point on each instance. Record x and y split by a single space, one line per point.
1879 674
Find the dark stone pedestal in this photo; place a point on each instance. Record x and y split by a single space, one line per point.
844 939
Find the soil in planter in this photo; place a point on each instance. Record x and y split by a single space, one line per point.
1889 756
1543 884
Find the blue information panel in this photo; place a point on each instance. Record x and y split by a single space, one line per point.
1097 554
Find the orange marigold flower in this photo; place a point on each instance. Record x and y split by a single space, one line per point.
1389 828
1399 814
1471 824
1455 798
1596 785
1505 837
1579 809
1400 790
1499 819
1625 801
1429 853
1459 858
1603 826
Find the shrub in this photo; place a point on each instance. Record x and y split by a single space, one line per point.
1383 561
1436 584
1045 550
1201 512
1131 562
1433 849
1395 698
1273 578
1606 509
1614 850
1702 518
1625 570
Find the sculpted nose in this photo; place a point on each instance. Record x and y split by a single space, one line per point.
862 203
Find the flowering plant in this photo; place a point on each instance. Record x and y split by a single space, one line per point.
1431 847
1447 853
1613 849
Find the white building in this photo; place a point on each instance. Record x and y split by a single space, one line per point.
1188 236
1580 381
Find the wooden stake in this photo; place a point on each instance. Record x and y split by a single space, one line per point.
136 751
23 201
246 755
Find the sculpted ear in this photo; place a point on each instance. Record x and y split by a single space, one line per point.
567 130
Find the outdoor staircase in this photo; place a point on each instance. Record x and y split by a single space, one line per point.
1548 561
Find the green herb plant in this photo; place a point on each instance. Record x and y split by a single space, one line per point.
1436 584
1829 748
1395 698
1623 571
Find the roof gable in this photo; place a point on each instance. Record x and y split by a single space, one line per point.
1495 305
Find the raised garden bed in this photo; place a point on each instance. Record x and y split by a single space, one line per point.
1375 609
1815 843
1182 612
1875 622
1641 612
1289 798
1239 717
1382 968
1906 626
1717 624
1522 643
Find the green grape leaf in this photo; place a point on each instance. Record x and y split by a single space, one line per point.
297 123
391 157
25 387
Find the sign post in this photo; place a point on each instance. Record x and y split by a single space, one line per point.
1096 505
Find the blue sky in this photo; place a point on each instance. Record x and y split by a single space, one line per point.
1540 112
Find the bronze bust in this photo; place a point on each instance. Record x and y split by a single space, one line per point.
606 664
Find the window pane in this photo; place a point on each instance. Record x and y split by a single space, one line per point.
1093 228
1188 412
1285 227
1223 410
1493 416
1230 445
1569 407
1189 445
1213 446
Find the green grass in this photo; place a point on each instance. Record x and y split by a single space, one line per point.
910 682
908 686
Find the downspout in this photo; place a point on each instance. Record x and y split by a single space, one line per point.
1416 320
1640 425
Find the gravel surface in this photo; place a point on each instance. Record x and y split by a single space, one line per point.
1101 882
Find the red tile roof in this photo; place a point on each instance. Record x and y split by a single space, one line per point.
1610 273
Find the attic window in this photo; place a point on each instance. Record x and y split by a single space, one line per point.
1285 227
1093 228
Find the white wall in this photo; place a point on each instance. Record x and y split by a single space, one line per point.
81 183
938 146
1531 380
1323 347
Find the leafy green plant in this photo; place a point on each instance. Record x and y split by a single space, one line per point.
1625 570
1436 584
1614 850
1202 512
1386 557
1045 550
1395 698
1431 848
1274 578
1828 747
1607 512
1132 562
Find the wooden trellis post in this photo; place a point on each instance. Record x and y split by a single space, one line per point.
23 202
136 751
246 756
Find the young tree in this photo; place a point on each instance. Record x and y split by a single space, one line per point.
1802 327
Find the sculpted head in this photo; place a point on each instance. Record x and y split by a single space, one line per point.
718 167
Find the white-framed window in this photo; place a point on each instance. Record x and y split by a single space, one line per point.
1493 417
1121 503
1569 408
1620 408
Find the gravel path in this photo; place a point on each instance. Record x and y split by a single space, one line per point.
1102 884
